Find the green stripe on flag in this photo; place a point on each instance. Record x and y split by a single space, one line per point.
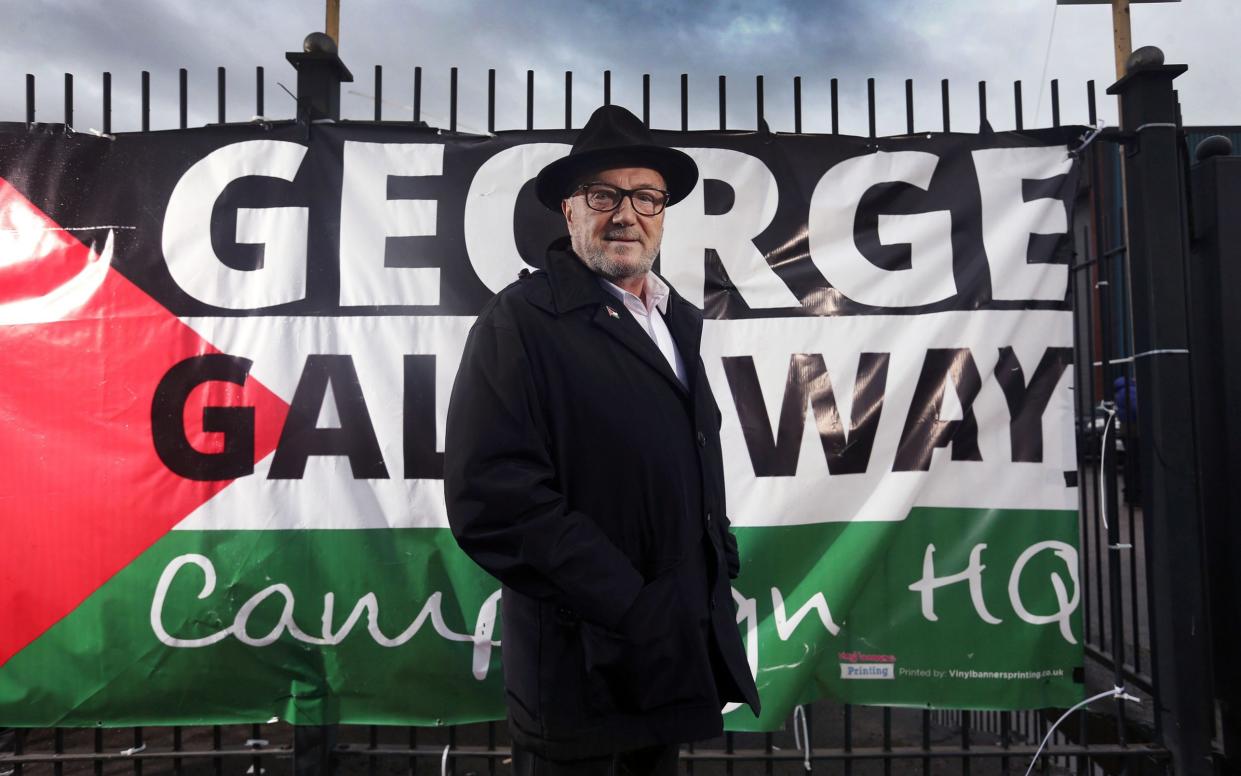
256 645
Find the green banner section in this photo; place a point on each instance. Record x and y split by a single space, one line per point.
991 621
966 608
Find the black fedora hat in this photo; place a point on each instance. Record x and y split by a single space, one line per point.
614 137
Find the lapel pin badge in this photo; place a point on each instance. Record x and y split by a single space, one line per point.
612 312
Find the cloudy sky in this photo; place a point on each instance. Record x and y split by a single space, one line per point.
999 41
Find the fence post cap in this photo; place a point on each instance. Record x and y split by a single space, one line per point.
1215 145
1145 56
1145 65
319 43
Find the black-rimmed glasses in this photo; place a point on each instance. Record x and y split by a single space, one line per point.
605 198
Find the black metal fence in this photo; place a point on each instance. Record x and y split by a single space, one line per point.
1119 606
797 109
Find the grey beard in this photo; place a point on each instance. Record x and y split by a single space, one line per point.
602 264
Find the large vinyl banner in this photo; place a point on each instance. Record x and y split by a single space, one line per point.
225 362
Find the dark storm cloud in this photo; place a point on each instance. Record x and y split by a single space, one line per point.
926 40
125 38
846 39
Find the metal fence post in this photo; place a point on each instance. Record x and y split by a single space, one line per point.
1215 338
319 76
1155 188
320 73
312 750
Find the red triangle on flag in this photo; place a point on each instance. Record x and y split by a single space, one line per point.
82 490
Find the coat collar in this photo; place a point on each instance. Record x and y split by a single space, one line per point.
573 285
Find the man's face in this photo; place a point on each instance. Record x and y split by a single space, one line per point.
621 244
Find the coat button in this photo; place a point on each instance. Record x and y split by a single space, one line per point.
708 519
702 439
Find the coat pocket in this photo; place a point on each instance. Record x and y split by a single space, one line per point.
661 659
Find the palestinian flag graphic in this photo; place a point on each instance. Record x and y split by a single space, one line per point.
225 362
152 568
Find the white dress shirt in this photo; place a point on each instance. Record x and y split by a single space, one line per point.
656 292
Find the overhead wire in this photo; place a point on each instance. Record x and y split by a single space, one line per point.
1042 79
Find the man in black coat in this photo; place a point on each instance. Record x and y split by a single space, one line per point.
583 470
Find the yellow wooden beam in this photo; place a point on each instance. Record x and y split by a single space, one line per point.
1122 35
332 27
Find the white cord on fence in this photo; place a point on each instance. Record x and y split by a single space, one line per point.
1111 416
133 750
1115 692
26 230
1144 353
444 762
1087 138
801 734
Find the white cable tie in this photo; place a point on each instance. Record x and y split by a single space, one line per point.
1162 352
1146 354
1119 692
1088 137
256 742
1120 546
133 750
1115 692
444 761
104 135
801 734
1156 125
1111 415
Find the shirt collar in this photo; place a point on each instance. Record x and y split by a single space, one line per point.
656 292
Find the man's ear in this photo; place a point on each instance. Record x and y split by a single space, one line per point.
567 209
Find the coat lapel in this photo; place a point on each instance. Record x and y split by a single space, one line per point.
685 323
574 285
626 330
